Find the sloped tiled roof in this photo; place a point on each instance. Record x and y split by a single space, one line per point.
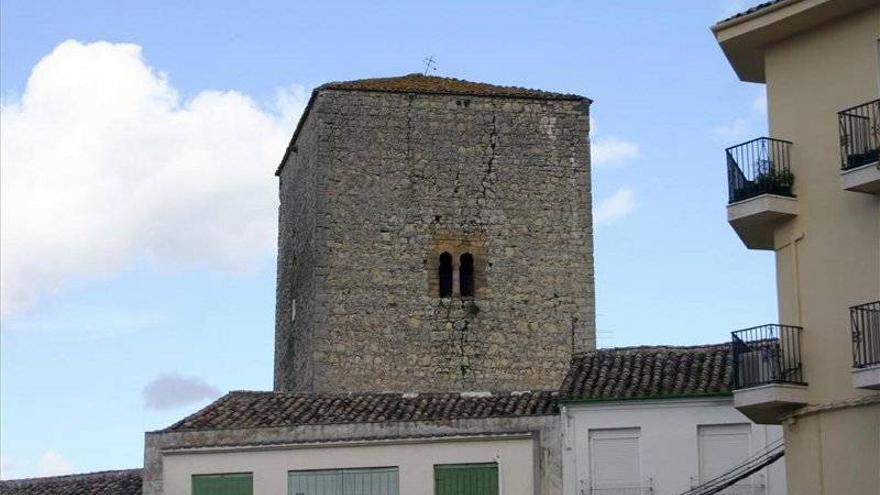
752 10
649 372
419 83
125 482
238 410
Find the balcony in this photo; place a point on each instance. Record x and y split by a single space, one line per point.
767 373
865 325
859 139
760 190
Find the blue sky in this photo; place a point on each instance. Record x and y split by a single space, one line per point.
139 202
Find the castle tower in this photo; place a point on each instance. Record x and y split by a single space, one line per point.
434 235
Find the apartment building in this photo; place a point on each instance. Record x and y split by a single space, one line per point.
810 192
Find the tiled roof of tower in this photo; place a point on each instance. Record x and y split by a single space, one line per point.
242 409
752 10
125 482
419 83
649 372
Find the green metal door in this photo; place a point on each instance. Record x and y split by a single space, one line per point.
466 479
223 484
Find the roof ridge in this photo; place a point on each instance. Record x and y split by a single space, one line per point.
387 393
654 347
430 84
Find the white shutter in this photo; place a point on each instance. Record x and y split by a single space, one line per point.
614 461
723 447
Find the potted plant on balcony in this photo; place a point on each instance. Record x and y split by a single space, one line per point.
773 181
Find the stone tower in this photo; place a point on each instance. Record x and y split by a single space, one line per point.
434 235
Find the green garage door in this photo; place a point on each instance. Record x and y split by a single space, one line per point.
223 484
466 479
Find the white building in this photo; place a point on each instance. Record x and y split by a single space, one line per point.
659 421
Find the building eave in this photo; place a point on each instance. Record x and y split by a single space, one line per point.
745 38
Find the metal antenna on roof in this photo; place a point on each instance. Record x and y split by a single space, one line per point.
430 64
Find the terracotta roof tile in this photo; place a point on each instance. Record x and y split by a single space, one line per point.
126 482
649 372
238 410
606 374
418 83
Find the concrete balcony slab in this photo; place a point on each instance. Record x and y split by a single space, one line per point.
765 404
864 179
755 219
868 377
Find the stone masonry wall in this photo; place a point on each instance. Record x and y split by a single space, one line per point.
298 257
380 184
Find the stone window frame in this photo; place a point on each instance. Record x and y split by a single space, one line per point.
458 244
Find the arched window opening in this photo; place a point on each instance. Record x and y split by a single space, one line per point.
444 273
466 275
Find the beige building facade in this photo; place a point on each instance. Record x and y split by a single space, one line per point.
811 193
401 466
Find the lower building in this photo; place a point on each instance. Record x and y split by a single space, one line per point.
368 443
661 420
656 420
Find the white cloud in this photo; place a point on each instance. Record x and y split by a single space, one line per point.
52 464
104 163
615 207
171 390
607 151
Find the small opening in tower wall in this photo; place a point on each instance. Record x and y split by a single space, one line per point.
444 273
466 275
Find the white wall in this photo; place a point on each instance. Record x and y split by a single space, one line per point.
415 460
668 442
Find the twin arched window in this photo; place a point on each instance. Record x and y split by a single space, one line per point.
465 275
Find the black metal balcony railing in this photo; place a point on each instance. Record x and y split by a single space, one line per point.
767 354
859 135
865 322
759 166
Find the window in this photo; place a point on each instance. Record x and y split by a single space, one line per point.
614 461
445 275
466 479
723 447
368 481
466 275
223 484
